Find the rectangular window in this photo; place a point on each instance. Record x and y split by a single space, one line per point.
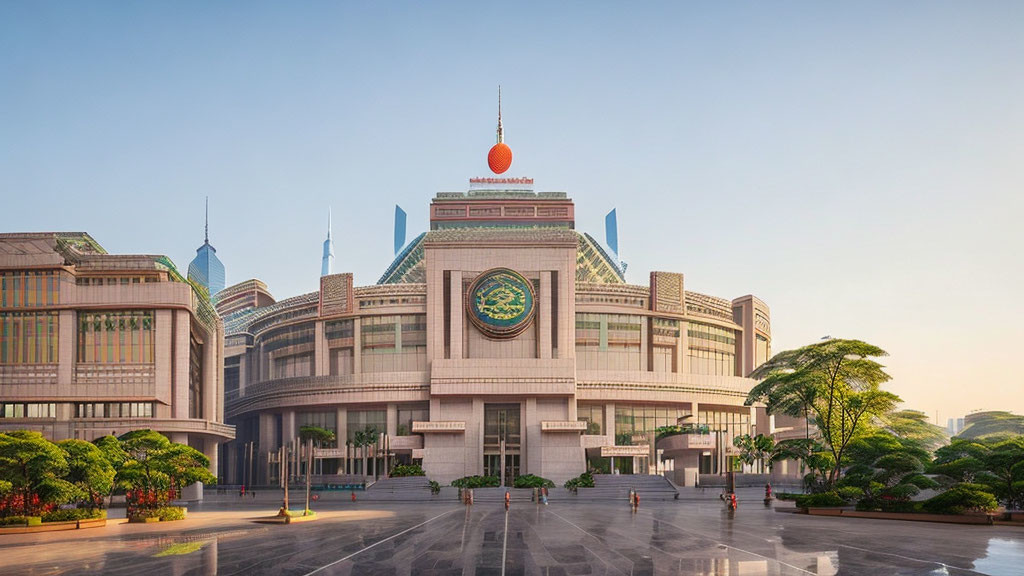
28 337
28 410
29 288
116 337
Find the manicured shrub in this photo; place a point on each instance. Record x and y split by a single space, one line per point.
169 513
20 521
531 481
585 480
822 500
403 470
74 514
435 488
850 493
477 482
961 498
788 496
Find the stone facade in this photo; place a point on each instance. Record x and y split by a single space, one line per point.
599 363
131 345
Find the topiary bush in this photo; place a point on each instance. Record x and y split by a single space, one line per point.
477 482
435 488
961 498
821 500
403 470
585 480
74 514
169 513
531 481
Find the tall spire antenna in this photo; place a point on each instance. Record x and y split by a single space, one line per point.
501 134
207 233
328 222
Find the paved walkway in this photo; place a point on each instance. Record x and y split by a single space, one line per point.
681 537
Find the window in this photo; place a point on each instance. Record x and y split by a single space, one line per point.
608 341
711 350
637 419
118 337
29 288
593 415
28 337
408 414
114 410
28 410
394 343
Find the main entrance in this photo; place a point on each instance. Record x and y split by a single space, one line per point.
502 447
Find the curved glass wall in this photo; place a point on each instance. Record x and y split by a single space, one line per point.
711 350
608 341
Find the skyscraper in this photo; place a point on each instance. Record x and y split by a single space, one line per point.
206 269
328 260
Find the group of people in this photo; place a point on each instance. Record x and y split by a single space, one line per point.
241 493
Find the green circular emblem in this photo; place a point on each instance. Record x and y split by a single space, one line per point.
500 303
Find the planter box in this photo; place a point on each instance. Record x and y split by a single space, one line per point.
976 519
92 523
826 511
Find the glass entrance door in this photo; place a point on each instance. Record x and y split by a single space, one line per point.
502 439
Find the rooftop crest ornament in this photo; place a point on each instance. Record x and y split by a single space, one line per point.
500 303
500 156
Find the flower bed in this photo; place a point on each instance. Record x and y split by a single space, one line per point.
161 514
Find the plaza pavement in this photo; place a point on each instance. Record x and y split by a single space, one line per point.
694 535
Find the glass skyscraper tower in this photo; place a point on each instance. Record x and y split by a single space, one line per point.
206 268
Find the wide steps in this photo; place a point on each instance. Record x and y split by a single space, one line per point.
404 489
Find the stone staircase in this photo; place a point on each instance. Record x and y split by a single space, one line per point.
404 489
617 487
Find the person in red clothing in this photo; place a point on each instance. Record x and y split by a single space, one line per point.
508 499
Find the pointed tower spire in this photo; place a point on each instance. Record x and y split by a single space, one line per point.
501 134
327 264
207 232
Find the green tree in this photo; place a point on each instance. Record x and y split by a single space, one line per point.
155 468
887 469
320 436
755 449
961 461
913 426
362 440
89 470
837 381
1004 472
34 468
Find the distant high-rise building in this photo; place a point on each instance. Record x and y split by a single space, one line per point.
206 269
399 229
611 232
327 264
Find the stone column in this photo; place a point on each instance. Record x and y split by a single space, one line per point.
357 347
211 377
288 429
179 365
210 450
268 433
609 422
544 326
341 434
163 363
455 309
321 355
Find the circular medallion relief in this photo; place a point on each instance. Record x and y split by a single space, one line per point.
500 303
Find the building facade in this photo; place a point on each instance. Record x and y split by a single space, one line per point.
502 341
94 344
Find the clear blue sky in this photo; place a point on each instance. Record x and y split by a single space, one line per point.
858 167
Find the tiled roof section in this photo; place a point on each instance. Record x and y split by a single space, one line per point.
708 306
593 264
252 320
46 248
408 265
501 236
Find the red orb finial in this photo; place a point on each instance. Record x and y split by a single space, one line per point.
499 158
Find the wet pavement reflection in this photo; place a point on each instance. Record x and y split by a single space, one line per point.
684 537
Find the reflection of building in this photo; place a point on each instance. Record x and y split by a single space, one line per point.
93 343
206 269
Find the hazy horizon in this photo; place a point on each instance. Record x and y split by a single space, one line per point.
860 168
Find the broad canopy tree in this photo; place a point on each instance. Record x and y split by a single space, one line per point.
835 382
33 469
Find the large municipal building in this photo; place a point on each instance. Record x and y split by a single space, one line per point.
501 341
